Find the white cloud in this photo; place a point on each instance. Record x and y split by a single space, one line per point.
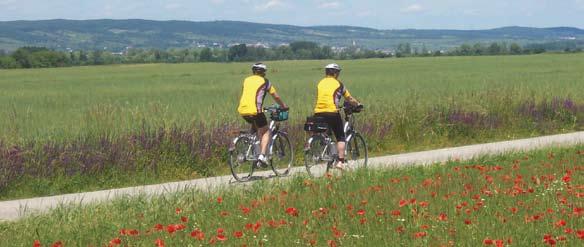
272 4
329 5
6 2
172 6
472 12
365 13
414 8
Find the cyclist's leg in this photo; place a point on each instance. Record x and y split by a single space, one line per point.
261 125
336 123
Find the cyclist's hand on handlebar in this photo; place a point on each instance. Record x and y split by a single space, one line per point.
284 108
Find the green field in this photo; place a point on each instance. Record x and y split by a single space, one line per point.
85 128
530 199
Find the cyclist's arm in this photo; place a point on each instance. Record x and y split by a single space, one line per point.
277 97
350 98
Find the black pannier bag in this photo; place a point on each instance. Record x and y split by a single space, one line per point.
315 124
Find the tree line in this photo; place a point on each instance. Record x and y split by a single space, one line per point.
39 57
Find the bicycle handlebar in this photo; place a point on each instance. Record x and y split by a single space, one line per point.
351 109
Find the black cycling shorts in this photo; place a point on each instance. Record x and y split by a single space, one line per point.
257 121
335 123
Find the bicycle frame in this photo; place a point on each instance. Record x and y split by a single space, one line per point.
349 130
274 127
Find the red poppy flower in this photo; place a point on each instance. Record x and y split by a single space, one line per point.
257 226
133 232
57 244
560 223
443 217
424 204
312 242
273 223
513 210
567 178
219 200
184 219
549 239
332 243
402 203
420 234
238 234
292 211
305 222
395 213
245 210
178 210
361 212
37 243
115 242
487 241
171 228
500 243
467 222
221 237
159 242
198 234
337 233
580 234
363 221
158 227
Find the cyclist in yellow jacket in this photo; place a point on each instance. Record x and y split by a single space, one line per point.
250 107
329 94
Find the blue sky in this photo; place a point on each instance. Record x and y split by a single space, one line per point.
389 14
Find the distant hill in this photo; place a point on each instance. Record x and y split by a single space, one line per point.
118 34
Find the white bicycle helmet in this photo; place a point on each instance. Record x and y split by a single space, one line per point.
333 66
259 67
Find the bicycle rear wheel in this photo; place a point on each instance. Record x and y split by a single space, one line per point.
313 156
241 168
282 154
357 155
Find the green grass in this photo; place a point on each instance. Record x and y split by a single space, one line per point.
64 103
75 129
517 198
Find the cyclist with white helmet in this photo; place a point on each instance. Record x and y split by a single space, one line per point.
254 91
329 94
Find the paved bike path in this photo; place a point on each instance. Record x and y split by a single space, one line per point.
16 209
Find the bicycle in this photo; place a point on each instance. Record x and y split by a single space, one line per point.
245 149
320 148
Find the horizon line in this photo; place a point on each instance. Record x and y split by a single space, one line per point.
284 24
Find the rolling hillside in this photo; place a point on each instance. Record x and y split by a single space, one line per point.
118 34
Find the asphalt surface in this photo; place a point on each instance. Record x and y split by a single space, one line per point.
17 209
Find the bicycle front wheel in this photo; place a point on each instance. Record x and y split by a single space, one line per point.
282 154
241 168
314 151
357 155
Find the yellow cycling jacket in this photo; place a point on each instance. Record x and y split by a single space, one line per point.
330 91
252 97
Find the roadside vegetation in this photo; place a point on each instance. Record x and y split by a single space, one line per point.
39 57
87 128
522 199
